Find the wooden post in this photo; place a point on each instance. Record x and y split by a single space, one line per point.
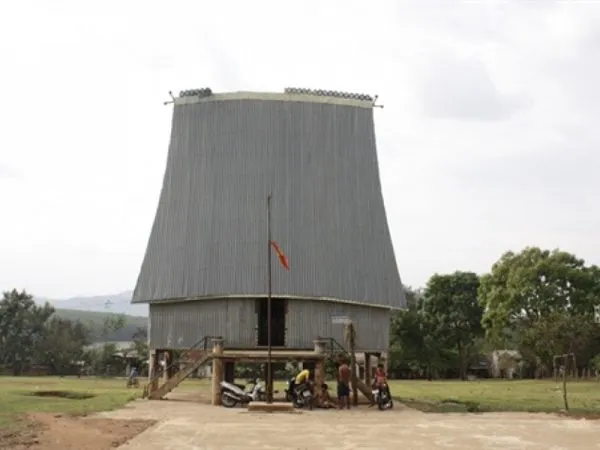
352 344
565 398
165 358
153 370
217 371
368 369
320 349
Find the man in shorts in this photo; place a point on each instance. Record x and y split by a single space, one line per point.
343 386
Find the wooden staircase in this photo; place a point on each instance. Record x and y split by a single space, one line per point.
195 356
334 349
364 389
173 382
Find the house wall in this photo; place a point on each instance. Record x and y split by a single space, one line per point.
181 325
306 320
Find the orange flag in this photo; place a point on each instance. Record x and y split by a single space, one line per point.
282 258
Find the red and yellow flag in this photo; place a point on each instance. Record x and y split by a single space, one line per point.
282 258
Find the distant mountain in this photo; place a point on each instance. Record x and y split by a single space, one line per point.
94 320
115 303
92 312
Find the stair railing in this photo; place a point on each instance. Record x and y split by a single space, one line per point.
334 347
202 343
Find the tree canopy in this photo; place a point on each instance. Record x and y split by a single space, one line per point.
538 302
31 334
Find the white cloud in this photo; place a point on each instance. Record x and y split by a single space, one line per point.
487 140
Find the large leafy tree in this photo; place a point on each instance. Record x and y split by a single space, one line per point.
542 302
63 344
22 326
453 312
413 344
140 342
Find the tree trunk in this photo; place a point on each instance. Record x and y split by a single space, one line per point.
461 361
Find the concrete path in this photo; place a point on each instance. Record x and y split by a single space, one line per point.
188 425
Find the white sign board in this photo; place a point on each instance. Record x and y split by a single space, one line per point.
344 320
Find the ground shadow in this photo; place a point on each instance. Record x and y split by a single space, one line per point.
71 395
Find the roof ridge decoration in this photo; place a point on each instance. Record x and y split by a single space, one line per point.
327 93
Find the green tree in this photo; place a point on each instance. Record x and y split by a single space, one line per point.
21 328
103 360
113 322
559 333
527 286
543 303
62 344
453 311
413 347
140 343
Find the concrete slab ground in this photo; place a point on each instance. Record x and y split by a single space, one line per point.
189 425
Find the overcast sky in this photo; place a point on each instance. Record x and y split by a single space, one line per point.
489 139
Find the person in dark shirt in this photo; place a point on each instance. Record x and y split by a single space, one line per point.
343 386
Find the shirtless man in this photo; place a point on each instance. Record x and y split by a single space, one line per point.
343 386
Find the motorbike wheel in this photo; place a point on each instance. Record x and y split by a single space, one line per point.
227 401
381 403
288 396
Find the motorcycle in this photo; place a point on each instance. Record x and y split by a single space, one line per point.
301 395
289 394
232 394
381 397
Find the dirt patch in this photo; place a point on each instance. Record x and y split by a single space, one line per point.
57 432
71 395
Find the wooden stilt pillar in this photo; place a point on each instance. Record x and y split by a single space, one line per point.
153 370
165 360
217 372
172 369
320 348
368 369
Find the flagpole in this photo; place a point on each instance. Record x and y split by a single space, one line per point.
269 289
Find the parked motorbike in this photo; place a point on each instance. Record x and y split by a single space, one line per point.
381 397
232 394
302 396
289 394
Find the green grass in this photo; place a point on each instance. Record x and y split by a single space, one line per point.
17 396
498 395
477 396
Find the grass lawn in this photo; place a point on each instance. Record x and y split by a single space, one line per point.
498 395
16 396
436 396
478 396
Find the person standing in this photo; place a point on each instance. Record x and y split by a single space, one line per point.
343 385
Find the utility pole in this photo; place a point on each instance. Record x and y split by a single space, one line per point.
269 319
